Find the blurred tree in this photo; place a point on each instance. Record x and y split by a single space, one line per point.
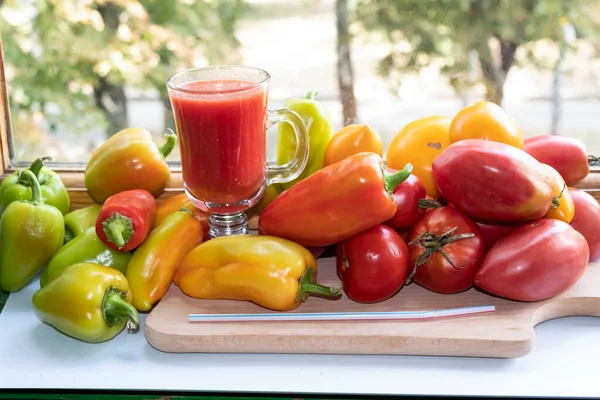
421 32
71 61
345 72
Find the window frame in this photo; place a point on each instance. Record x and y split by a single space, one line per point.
73 174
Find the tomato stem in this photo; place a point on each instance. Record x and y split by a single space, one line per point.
428 203
434 243
555 199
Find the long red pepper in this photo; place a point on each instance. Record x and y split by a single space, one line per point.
335 203
126 218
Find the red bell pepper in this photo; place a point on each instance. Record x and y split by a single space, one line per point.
126 218
335 203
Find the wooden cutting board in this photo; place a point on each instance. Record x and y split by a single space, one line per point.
506 333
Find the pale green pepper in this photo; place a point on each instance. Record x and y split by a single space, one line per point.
320 130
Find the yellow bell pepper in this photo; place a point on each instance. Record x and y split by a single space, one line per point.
272 272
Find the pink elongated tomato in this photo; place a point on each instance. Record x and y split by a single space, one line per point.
565 154
536 261
492 233
493 182
587 220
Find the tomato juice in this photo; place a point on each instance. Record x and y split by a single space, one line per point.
222 138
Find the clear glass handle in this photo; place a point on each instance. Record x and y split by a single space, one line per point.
293 168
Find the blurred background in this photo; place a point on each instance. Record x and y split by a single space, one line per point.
79 71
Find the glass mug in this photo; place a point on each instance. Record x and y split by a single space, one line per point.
221 118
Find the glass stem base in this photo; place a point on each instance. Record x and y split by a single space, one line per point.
227 225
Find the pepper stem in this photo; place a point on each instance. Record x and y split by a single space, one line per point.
118 229
36 189
115 309
393 180
308 286
187 210
37 165
169 145
312 94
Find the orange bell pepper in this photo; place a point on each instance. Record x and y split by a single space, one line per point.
151 268
334 203
350 140
128 160
174 204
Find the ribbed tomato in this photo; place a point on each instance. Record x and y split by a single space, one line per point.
446 249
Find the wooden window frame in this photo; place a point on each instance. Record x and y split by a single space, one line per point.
72 176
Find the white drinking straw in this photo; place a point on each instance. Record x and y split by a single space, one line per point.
343 316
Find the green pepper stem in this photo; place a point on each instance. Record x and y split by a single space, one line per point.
312 94
169 145
118 229
115 309
393 180
308 286
187 210
36 189
37 165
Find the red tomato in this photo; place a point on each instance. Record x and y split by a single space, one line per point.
373 264
565 154
491 233
411 203
493 182
536 261
437 235
587 220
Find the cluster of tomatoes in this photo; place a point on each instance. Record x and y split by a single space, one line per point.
484 207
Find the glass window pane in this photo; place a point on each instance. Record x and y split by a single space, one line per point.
81 70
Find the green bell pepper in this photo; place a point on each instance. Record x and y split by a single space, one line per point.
78 221
85 248
88 302
31 232
320 130
16 187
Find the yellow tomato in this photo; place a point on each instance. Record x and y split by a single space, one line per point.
488 121
350 140
563 207
419 143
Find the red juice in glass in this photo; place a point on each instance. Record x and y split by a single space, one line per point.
222 119
222 139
